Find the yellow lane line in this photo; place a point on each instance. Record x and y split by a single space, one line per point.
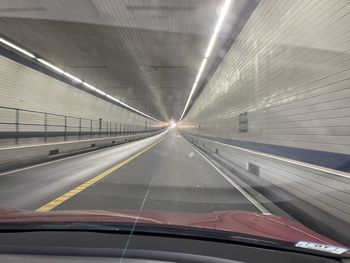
51 205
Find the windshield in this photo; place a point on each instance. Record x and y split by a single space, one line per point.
221 115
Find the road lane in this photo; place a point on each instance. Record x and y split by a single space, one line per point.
32 187
170 176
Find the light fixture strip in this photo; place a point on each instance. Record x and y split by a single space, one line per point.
211 45
23 51
201 69
49 65
208 51
72 77
223 13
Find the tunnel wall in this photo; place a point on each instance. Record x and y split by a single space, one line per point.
26 88
283 89
288 73
319 198
20 156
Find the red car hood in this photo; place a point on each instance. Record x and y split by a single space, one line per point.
250 223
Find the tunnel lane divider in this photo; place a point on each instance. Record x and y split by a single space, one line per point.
58 201
250 198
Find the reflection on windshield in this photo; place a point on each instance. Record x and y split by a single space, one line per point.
219 115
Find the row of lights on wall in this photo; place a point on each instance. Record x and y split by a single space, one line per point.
72 77
211 44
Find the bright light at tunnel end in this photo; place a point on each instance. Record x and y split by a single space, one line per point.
72 77
210 47
172 124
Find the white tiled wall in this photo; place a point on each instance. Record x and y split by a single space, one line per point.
290 70
25 88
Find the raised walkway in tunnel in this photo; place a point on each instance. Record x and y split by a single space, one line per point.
161 172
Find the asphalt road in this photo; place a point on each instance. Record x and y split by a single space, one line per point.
172 175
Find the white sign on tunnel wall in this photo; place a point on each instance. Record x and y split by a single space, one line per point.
243 122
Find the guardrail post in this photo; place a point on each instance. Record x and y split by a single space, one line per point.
45 127
79 128
17 125
99 127
90 128
65 128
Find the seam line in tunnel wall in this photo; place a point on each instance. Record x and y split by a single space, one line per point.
261 208
61 199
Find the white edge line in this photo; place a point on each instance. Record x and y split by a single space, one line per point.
240 189
71 157
303 164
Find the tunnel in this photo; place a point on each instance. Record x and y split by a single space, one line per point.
164 110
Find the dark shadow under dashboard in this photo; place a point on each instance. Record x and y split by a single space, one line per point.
80 246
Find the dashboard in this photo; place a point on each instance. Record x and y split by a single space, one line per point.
81 246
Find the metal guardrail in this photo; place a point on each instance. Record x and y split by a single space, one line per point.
16 123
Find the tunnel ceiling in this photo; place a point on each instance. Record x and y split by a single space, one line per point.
147 53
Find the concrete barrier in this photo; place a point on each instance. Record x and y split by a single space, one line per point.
316 195
19 156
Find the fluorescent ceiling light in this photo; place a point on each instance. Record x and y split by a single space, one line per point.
100 92
117 100
25 52
48 64
189 98
210 46
193 88
129 107
94 89
72 77
110 97
201 68
224 10
89 86
223 13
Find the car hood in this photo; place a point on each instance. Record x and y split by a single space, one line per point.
249 223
